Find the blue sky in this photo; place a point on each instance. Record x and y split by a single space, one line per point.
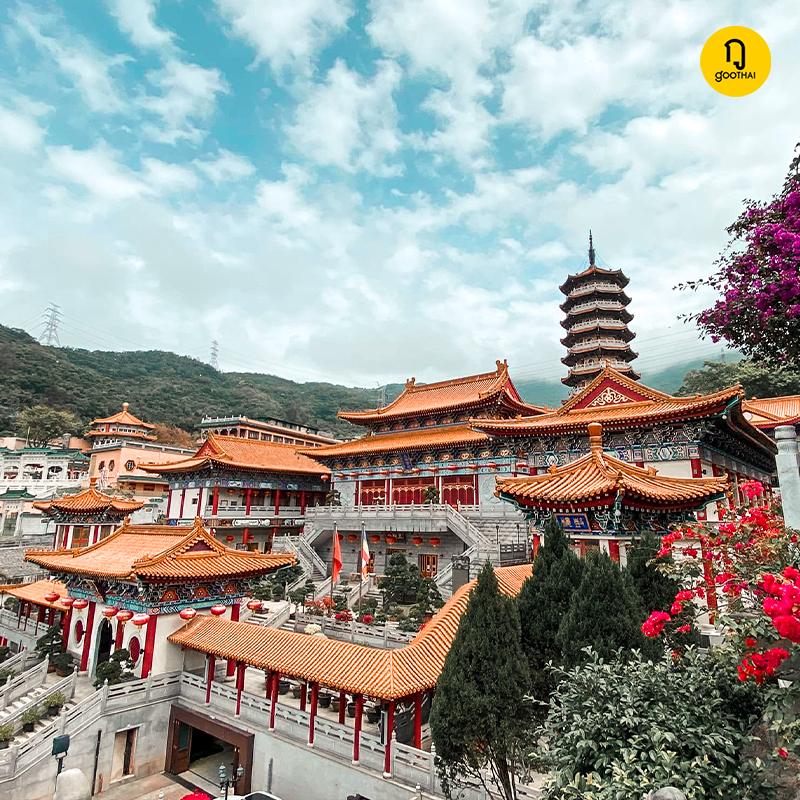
365 191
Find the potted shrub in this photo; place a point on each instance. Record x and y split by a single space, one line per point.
118 669
6 735
54 703
50 644
63 663
297 690
29 719
335 703
351 710
5 652
5 675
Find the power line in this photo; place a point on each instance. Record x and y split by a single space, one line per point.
49 336
215 355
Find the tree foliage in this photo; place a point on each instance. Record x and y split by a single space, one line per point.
402 581
40 424
51 642
169 434
757 379
480 718
118 669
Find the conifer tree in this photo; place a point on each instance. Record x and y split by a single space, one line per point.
604 614
543 602
480 719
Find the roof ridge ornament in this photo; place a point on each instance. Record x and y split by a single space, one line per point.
591 249
410 383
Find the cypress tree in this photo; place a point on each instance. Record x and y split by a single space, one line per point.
604 614
480 718
543 601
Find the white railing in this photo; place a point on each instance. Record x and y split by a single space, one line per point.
18 662
255 512
275 619
604 304
21 635
305 554
21 685
381 636
358 592
66 686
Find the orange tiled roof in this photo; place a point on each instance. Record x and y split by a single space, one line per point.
460 393
231 451
35 592
124 417
159 552
126 434
399 441
388 674
598 476
89 501
772 411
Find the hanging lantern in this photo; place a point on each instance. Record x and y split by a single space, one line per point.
254 605
218 610
124 615
452 467
472 466
389 539
375 538
323 477
229 538
417 540
139 620
522 464
492 465
110 611
52 597
435 541
188 614
80 604
68 602
352 537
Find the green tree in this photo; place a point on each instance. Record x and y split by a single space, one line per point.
604 613
757 379
431 494
333 498
118 669
40 424
51 643
480 717
543 602
402 581
429 600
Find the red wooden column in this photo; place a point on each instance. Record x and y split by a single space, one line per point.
358 493
302 502
66 620
387 754
313 713
248 502
273 700
149 645
20 609
215 504
39 618
169 502
277 502
240 668
357 734
51 615
303 694
87 637
235 617
66 536
342 706
711 589
211 663
418 720
183 500
613 550
199 502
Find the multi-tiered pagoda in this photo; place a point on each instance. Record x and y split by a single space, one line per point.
597 320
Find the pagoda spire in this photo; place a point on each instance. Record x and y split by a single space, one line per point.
597 323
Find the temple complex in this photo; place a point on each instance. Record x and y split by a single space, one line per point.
597 324
265 430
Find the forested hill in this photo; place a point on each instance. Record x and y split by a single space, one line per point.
175 390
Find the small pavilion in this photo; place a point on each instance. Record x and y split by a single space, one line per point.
603 502
85 518
153 577
41 604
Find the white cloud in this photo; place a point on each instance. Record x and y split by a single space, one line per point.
19 131
162 176
286 34
136 19
226 166
97 171
349 121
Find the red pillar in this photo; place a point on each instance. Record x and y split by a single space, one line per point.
313 713
65 621
149 645
418 720
303 694
200 502
51 615
711 589
342 707
613 551
246 536
277 502
235 617
39 618
215 503
249 498
302 502
66 536
87 637
120 633
357 734
169 502
183 500
273 700
212 662
387 755
358 493
240 668
537 543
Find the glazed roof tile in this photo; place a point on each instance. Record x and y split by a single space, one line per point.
35 592
399 441
159 553
773 411
599 476
388 674
89 501
232 451
124 417
460 393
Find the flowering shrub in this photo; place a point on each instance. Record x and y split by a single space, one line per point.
343 616
744 569
196 795
367 619
316 608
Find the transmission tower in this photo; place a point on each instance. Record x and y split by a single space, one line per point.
215 355
381 390
49 335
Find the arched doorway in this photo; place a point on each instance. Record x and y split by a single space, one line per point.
104 641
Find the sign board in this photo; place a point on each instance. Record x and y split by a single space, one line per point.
574 523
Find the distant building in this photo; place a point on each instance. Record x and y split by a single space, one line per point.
40 470
264 430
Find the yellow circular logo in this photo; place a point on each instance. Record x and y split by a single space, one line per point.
735 61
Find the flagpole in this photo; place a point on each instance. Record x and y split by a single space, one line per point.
363 566
333 562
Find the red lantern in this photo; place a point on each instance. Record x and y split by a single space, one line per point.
188 614
522 464
417 540
254 605
52 597
375 538
110 611
218 610
352 537
492 465
472 466
229 538
80 604
389 539
68 602
124 615
323 477
435 541
140 619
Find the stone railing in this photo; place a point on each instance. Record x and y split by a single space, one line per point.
23 635
19 662
20 686
380 636
66 686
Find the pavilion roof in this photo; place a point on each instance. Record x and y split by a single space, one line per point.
772 411
591 271
400 441
89 501
159 553
251 454
472 392
600 478
387 674
35 592
124 417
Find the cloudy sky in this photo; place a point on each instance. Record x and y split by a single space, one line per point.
365 190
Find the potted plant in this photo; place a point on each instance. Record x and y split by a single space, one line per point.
54 703
373 714
6 735
283 687
50 644
351 709
5 675
63 663
325 700
297 690
29 719
336 703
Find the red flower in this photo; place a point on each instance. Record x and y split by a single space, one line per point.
782 753
684 629
653 626
751 643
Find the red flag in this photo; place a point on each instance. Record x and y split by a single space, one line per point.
337 558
